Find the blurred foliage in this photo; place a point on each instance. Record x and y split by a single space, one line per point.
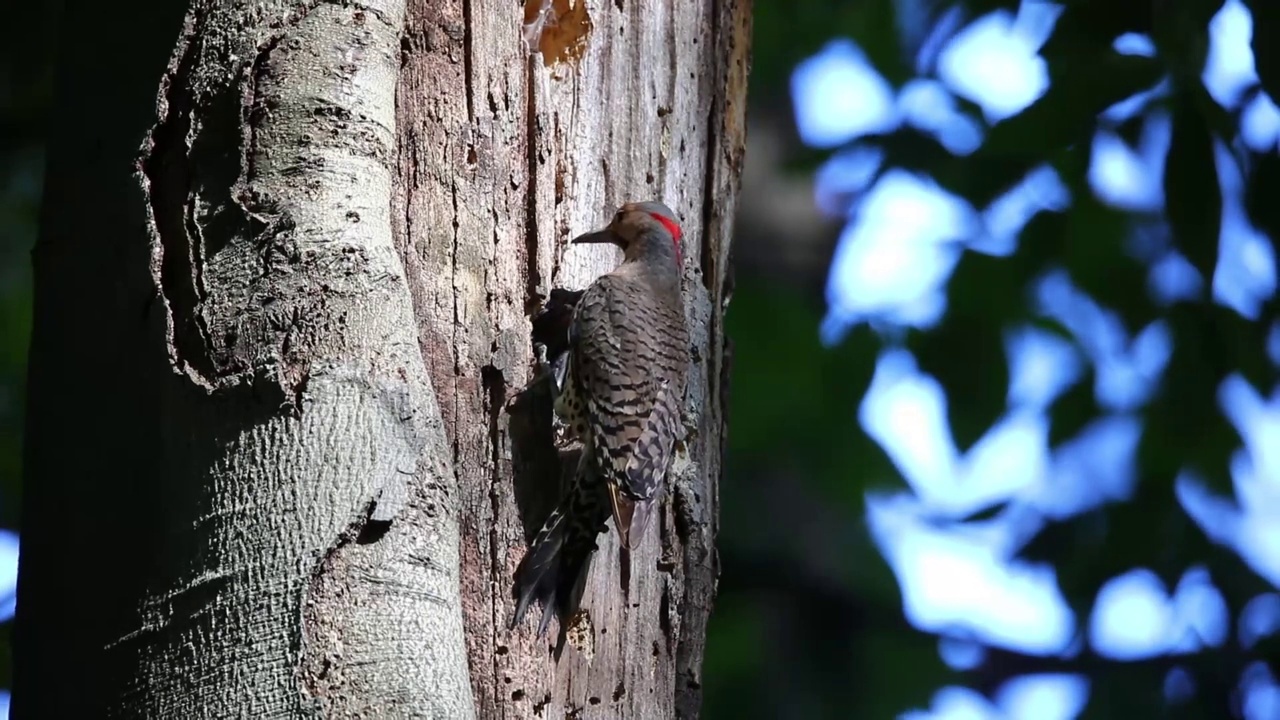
809 621
799 572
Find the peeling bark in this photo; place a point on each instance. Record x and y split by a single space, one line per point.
503 155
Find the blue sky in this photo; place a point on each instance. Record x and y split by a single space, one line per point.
904 235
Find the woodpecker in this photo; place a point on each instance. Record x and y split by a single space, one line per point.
619 383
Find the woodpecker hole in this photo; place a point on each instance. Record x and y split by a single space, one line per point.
556 28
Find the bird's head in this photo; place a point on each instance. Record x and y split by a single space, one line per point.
644 230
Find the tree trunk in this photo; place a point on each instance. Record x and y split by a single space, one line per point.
503 156
270 467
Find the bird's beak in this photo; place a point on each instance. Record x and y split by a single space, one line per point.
599 236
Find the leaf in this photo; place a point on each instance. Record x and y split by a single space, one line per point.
1181 34
1184 426
1074 410
1149 530
1082 86
1094 249
910 149
1040 249
1238 582
1193 198
982 177
1266 44
1088 550
1243 343
1071 546
965 352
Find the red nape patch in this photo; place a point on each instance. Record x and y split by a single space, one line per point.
673 228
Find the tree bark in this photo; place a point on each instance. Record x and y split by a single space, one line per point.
504 155
262 325
271 465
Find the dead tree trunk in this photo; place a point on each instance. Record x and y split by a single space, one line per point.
504 154
269 472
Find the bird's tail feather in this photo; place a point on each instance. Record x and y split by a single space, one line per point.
630 516
554 570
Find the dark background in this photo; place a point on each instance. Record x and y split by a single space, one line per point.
1061 495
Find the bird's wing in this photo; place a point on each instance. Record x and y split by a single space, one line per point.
651 454
614 361
627 363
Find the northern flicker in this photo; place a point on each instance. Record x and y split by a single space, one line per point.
619 384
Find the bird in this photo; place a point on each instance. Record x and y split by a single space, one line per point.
619 386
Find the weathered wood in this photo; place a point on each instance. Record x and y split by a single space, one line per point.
503 155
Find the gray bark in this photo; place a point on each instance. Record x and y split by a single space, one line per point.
296 409
271 468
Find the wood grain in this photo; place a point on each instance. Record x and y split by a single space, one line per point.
519 127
